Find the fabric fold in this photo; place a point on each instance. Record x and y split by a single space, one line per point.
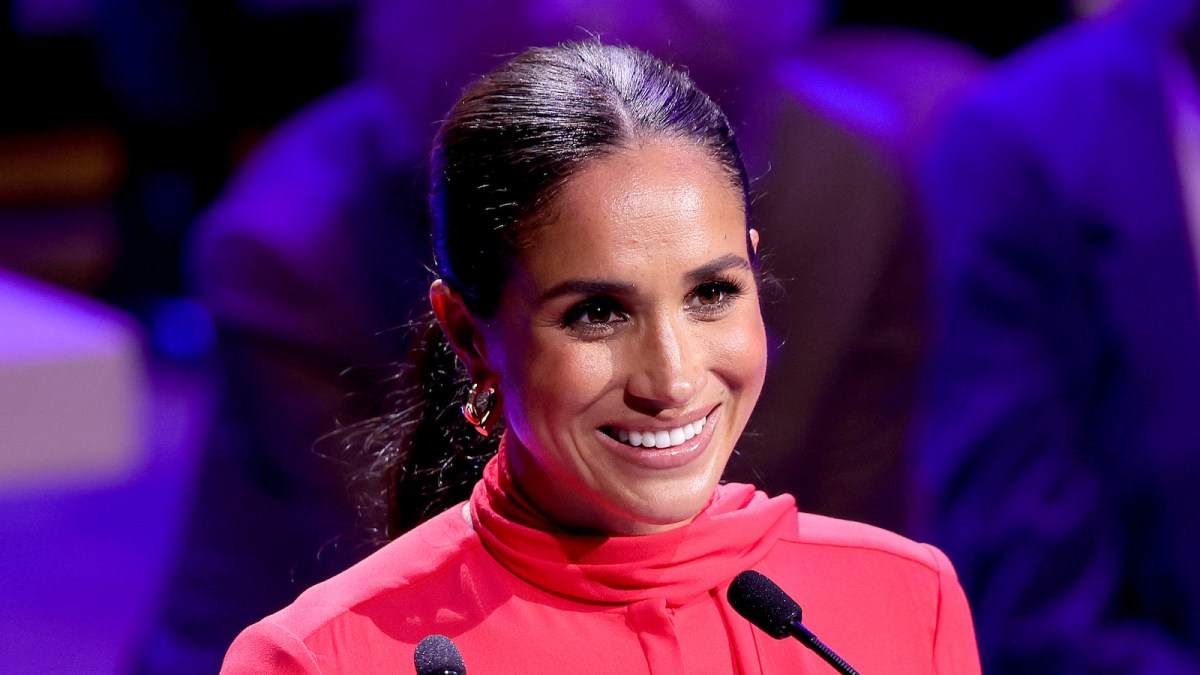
653 624
733 533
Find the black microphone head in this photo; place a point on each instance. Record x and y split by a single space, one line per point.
437 655
763 604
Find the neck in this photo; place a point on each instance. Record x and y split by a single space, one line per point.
553 502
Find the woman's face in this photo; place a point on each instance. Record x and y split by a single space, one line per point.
632 316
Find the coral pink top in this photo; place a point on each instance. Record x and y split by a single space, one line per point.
518 595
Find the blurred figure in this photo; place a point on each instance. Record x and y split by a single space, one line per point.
853 107
309 262
826 119
297 261
185 90
1060 443
284 265
167 76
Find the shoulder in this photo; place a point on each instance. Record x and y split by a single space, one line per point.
426 555
386 587
267 647
843 540
887 598
1087 66
333 133
301 180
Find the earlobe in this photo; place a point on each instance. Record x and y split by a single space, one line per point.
462 331
459 326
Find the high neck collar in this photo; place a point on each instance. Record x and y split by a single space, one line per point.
733 533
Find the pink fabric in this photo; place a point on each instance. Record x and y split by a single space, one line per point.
518 595
735 531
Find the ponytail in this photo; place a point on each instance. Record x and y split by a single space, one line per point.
423 456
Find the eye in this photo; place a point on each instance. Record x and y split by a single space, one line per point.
712 294
713 298
594 316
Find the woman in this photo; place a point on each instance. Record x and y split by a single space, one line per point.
598 287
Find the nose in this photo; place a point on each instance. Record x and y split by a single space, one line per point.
667 370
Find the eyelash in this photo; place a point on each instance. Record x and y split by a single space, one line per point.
730 290
573 320
727 290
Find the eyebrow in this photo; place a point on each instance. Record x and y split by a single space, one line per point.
588 287
711 269
603 287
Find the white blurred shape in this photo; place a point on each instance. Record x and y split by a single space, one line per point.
72 389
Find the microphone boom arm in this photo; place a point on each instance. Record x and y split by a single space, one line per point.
806 637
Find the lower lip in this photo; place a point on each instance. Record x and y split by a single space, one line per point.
667 458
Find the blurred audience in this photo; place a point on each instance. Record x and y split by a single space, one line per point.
838 212
191 84
308 262
1059 440
162 64
308 256
827 119
304 257
290 264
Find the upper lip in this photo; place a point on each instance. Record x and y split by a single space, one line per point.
657 424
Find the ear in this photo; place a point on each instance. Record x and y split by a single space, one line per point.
754 240
461 329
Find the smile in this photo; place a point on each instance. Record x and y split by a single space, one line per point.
657 439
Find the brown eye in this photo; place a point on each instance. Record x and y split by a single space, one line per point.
712 298
711 294
595 316
599 314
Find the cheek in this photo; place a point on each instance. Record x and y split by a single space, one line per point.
740 354
558 381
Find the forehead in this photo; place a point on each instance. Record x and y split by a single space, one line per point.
658 204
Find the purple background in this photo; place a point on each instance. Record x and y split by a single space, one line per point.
164 100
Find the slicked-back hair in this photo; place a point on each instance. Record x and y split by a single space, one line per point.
518 135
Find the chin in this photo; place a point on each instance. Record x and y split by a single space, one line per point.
668 507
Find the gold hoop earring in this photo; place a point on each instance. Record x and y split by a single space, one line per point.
479 406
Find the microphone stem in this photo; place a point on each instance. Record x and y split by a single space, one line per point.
809 640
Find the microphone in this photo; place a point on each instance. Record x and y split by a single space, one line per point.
437 655
765 605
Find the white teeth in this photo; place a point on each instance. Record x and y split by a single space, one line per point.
661 439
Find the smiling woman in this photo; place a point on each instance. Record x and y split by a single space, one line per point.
596 320
632 315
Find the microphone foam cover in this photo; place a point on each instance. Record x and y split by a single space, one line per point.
763 604
437 655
